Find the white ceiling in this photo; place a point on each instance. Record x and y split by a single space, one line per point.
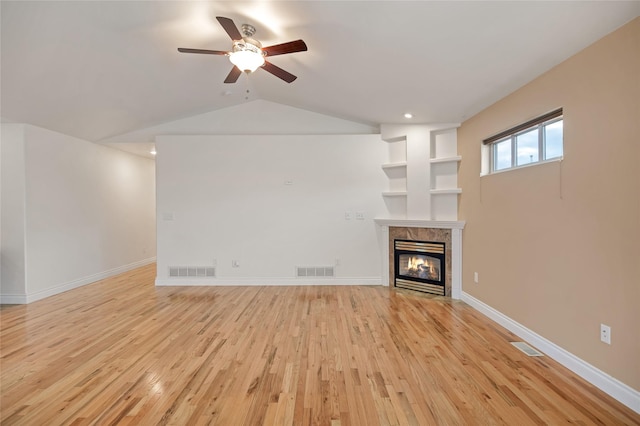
98 69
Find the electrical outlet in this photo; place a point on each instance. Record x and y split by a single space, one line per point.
348 215
605 334
475 277
235 263
359 215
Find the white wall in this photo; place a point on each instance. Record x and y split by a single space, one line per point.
89 212
250 118
229 201
12 284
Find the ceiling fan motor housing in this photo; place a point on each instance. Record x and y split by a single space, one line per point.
249 44
248 30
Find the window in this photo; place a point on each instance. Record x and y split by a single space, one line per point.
535 141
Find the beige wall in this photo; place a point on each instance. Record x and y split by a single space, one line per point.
557 246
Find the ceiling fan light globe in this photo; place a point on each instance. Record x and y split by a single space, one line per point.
246 60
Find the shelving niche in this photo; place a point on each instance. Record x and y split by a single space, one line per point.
433 173
444 161
396 171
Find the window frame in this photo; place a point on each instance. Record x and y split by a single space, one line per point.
511 135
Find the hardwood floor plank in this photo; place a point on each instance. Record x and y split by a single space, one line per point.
121 351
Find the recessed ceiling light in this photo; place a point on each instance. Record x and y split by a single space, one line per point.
408 115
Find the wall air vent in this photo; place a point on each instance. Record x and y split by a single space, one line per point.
314 271
191 271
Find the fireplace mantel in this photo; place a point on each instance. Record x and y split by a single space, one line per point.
421 223
456 246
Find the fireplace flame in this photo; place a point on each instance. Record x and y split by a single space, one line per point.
414 263
423 268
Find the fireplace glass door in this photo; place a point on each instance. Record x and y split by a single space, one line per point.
420 265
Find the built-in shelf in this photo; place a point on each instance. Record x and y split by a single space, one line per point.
455 159
391 166
394 194
445 191
422 171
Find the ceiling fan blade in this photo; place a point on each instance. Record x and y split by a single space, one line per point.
233 76
279 72
205 51
229 27
289 47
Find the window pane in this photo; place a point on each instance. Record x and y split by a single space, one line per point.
502 155
553 140
527 147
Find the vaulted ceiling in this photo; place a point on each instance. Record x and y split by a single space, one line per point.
98 69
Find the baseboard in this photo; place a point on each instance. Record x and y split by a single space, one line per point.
603 381
270 281
29 298
13 299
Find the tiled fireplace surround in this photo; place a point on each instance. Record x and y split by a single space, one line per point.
448 232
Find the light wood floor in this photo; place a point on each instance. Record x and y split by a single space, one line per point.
121 351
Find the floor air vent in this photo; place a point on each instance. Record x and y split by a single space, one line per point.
311 271
527 349
192 271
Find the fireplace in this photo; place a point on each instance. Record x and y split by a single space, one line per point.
420 265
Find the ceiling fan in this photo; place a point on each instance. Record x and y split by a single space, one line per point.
247 54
